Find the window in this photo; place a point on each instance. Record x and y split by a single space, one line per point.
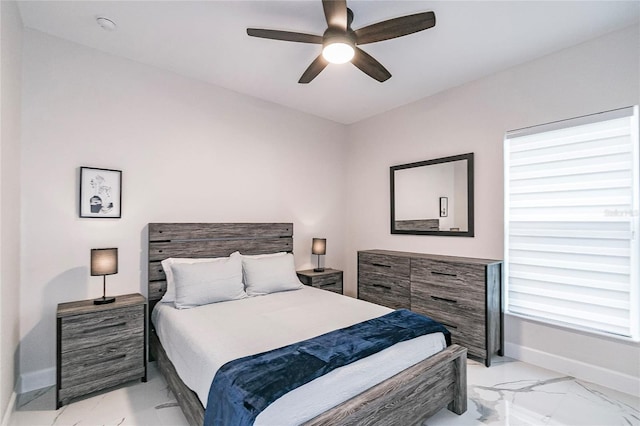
571 223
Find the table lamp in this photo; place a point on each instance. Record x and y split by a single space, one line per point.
319 247
104 262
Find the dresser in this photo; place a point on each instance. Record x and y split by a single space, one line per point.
464 294
329 279
99 346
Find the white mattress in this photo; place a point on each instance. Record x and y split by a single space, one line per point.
200 340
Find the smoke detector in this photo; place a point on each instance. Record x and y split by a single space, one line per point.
106 23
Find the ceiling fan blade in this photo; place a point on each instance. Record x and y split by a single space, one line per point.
397 27
313 70
336 13
284 35
370 66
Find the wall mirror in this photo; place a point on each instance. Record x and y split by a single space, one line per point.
433 197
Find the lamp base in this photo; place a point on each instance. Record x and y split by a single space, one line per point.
318 269
103 300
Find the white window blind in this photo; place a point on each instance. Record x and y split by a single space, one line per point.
571 222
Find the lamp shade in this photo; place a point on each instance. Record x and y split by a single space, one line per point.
104 261
319 246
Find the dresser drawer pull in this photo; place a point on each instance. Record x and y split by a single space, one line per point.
103 360
382 265
444 299
444 273
382 286
327 284
91 330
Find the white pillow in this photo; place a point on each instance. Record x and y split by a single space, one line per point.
264 275
170 294
218 280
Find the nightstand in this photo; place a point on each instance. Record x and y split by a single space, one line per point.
329 279
99 346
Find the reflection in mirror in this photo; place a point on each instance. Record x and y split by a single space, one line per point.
433 197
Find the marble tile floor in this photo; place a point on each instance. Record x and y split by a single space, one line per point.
510 393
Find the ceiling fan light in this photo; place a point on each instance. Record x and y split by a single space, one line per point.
338 53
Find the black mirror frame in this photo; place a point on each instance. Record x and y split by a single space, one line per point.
470 209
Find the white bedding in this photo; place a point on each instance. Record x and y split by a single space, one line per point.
200 340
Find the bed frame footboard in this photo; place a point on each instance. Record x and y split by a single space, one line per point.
407 398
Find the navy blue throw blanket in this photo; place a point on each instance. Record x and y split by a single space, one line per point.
244 387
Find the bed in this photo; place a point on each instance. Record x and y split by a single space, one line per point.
409 396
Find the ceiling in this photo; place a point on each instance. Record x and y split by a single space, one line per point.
207 41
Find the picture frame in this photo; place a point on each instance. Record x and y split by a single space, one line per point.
100 193
444 207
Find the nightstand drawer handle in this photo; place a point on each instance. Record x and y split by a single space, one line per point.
103 360
444 299
382 265
444 273
327 284
448 325
91 330
382 286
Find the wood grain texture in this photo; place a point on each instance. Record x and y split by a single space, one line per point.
418 225
103 327
330 279
187 399
85 306
84 366
462 293
99 346
407 398
384 280
159 251
194 231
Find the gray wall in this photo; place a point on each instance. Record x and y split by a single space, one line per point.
10 88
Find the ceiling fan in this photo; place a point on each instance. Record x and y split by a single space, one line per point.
340 42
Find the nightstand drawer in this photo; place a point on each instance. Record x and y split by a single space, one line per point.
91 329
98 383
86 365
329 279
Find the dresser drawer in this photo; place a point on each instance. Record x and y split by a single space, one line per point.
93 329
449 310
381 264
390 292
467 304
86 365
465 332
463 277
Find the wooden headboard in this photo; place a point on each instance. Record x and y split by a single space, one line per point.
209 240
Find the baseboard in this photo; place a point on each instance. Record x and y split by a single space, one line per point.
11 406
37 380
588 372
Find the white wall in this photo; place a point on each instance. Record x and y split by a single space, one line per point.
10 90
596 76
188 151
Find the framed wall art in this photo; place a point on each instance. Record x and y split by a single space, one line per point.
100 193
